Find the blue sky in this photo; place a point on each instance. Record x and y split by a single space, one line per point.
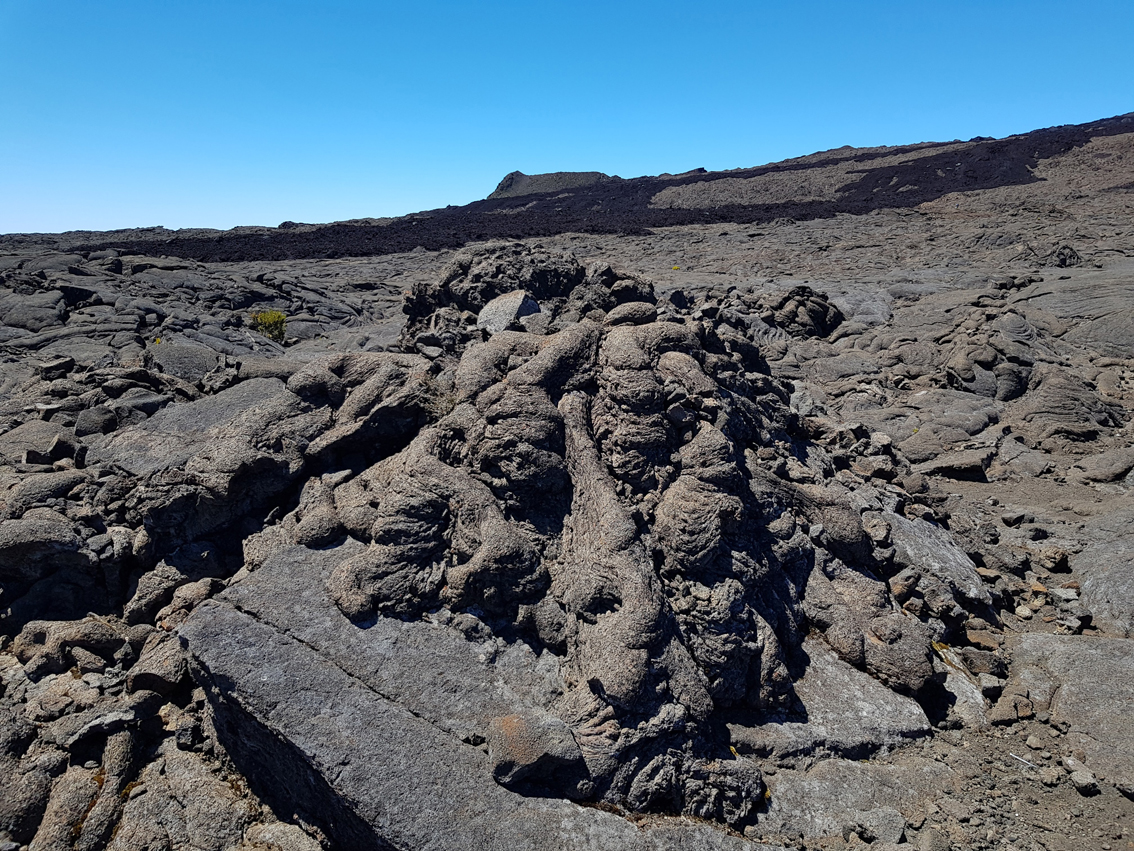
126 113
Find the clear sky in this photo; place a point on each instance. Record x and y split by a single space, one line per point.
126 113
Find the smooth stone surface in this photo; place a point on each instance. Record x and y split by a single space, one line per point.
632 313
930 549
1088 684
179 431
849 714
499 314
340 753
1107 570
838 793
431 670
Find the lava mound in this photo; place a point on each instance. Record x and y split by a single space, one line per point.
619 488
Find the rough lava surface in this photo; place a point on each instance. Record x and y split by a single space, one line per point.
784 507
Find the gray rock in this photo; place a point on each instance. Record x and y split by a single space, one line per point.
969 465
968 698
24 795
97 420
340 750
180 431
990 686
105 718
264 367
1018 458
238 450
1051 776
1061 404
33 312
1085 783
120 763
188 361
388 398
932 839
160 667
837 794
1088 684
1098 308
49 646
848 714
1108 466
155 589
35 435
137 400
184 806
31 549
38 488
1107 571
801 312
517 183
279 836
930 550
535 749
484 533
884 824
55 368
931 421
631 313
72 796
457 685
1012 518
504 310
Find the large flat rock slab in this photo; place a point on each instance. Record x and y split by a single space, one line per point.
345 725
179 431
847 712
1107 571
1087 683
432 670
1096 301
931 549
836 793
1108 584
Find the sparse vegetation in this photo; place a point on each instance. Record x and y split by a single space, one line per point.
271 323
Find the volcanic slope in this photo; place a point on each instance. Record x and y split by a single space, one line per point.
749 526
819 186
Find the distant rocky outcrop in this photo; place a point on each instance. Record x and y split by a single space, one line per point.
852 181
516 184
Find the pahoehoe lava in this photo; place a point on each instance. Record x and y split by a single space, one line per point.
778 507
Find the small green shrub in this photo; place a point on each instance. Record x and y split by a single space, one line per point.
271 323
